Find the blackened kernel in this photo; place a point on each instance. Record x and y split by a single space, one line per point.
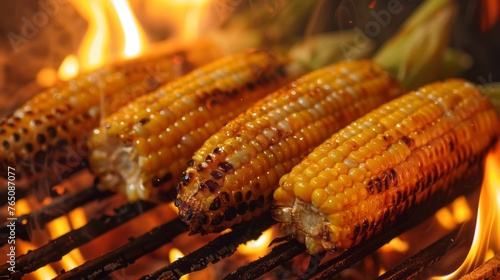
37 122
188 215
393 176
64 127
2 131
212 185
452 146
365 225
16 119
199 167
224 166
202 219
208 159
6 144
216 150
369 187
186 178
215 205
217 220
155 181
226 198
378 184
190 162
16 137
250 86
408 141
29 147
216 175
238 197
29 113
52 131
248 195
24 130
202 186
242 208
50 117
143 121
230 213
177 202
75 120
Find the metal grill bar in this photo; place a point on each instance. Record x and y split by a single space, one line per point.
410 268
219 248
125 255
57 248
487 270
58 207
276 257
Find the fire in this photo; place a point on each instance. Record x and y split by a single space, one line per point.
174 255
396 244
487 233
257 248
455 214
105 18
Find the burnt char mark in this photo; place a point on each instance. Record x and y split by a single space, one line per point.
190 162
242 208
215 205
217 220
52 131
392 178
238 197
16 137
226 198
230 213
408 141
186 178
143 121
212 185
216 175
224 166
6 144
40 138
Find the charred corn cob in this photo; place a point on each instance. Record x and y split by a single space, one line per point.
362 178
231 178
143 147
47 136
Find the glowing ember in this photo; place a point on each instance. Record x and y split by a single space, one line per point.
490 13
455 214
487 234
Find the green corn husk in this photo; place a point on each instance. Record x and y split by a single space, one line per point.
416 54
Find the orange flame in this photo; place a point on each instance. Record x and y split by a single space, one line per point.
257 248
487 233
105 18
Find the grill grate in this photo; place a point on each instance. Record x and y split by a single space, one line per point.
223 246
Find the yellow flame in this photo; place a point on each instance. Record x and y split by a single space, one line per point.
396 244
108 19
69 68
487 232
174 255
133 35
92 49
45 272
457 213
256 248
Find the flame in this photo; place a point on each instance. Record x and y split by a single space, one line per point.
396 244
455 214
256 248
487 233
106 18
174 255
69 68
61 226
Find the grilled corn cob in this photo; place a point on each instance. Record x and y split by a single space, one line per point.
378 167
143 147
47 136
231 178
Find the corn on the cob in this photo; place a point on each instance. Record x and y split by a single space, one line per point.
144 146
231 178
47 136
378 167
